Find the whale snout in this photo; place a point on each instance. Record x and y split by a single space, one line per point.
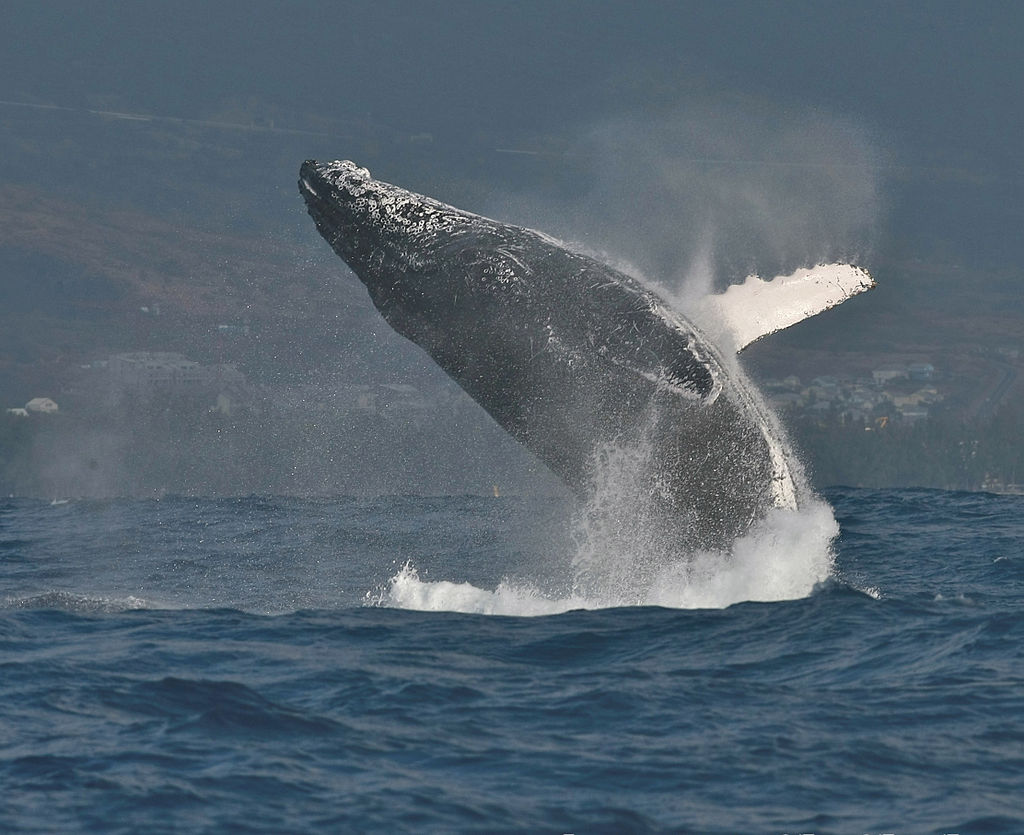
340 197
318 179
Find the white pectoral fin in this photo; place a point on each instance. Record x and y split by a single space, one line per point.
757 308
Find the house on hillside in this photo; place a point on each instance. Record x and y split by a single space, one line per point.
41 405
920 371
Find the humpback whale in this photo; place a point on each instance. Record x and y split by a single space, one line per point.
575 358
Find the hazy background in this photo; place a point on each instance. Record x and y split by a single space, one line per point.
149 152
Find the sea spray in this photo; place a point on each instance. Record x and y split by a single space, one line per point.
407 591
617 535
783 557
627 551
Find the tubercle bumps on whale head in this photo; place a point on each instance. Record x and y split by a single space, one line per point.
344 201
348 195
366 218
380 230
338 178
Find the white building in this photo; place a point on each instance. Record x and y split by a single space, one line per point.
41 405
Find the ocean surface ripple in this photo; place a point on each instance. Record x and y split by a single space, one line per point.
272 665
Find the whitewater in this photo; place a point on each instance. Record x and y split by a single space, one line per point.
623 552
782 558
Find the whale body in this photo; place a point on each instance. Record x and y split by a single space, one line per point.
575 359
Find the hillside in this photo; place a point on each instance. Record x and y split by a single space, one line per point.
191 238
79 283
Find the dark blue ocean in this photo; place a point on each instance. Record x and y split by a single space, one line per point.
424 665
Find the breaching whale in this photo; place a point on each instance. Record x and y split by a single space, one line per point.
575 358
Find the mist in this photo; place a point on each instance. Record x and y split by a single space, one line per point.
709 193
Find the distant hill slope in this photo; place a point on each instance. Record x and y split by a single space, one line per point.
77 283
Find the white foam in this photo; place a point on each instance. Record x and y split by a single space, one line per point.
784 557
407 591
625 555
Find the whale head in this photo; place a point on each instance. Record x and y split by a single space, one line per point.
341 180
341 200
380 230
411 252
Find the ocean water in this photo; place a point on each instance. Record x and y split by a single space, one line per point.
475 664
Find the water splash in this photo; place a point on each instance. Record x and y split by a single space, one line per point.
783 557
631 546
407 591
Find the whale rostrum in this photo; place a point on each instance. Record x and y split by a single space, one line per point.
575 358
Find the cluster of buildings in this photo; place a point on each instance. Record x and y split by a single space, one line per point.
143 375
905 393
145 371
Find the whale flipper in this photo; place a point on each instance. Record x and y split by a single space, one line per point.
757 307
